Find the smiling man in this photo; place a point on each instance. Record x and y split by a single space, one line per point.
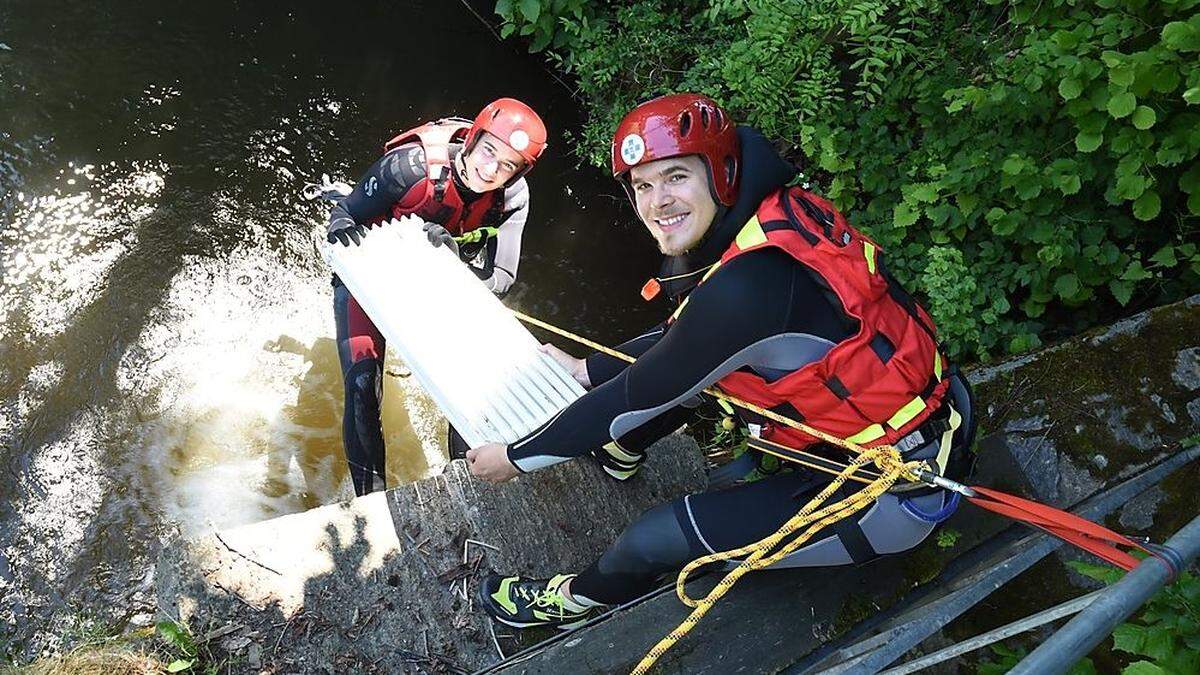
780 302
466 180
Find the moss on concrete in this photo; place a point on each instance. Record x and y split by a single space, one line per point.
1108 393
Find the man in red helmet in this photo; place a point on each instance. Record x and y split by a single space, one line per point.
780 302
466 180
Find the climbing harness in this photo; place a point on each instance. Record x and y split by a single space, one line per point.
889 468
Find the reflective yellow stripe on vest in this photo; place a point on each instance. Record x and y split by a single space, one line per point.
871 433
675 314
869 251
905 414
750 235
943 455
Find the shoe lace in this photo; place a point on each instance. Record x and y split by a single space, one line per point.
551 598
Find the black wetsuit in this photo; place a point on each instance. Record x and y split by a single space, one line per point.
761 311
360 344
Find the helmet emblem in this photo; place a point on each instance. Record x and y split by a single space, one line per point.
518 140
632 149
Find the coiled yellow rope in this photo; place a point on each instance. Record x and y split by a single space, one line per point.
759 554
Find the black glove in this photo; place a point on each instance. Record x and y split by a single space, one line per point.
439 236
345 230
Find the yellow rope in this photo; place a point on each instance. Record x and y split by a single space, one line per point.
711 391
758 555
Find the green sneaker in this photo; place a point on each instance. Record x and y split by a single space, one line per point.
618 462
525 603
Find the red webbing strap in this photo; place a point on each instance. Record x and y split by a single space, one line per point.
1095 539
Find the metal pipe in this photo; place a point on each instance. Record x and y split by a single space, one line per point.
1081 634
871 657
1072 606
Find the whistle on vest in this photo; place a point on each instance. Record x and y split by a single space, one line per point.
650 289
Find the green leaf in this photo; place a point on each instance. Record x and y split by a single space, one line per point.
1192 95
1144 117
904 214
1193 203
1165 79
1121 290
1083 667
1135 272
1181 37
1121 105
1130 186
1086 142
1165 256
923 192
504 9
1147 206
1066 286
1129 637
1068 185
530 9
1103 573
966 202
541 41
1160 643
1122 75
1143 668
1092 122
1070 88
174 635
180 665
1189 182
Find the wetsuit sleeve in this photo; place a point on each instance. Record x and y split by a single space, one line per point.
506 255
384 184
747 301
601 367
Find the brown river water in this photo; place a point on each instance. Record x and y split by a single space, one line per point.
167 361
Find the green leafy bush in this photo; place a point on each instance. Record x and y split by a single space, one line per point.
1026 165
1165 636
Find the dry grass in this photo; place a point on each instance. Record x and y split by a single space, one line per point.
93 660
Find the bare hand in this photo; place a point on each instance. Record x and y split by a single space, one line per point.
576 367
490 462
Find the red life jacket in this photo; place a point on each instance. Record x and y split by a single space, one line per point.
435 198
871 388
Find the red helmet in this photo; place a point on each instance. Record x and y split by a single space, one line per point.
680 124
515 124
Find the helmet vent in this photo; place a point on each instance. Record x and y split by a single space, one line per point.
704 117
685 123
719 117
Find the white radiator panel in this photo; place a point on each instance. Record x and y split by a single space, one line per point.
470 354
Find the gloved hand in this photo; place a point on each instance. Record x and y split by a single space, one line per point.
439 236
328 189
345 230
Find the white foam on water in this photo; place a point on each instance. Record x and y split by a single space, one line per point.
59 246
245 418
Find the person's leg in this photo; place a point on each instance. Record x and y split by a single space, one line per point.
622 458
360 350
669 536
661 541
